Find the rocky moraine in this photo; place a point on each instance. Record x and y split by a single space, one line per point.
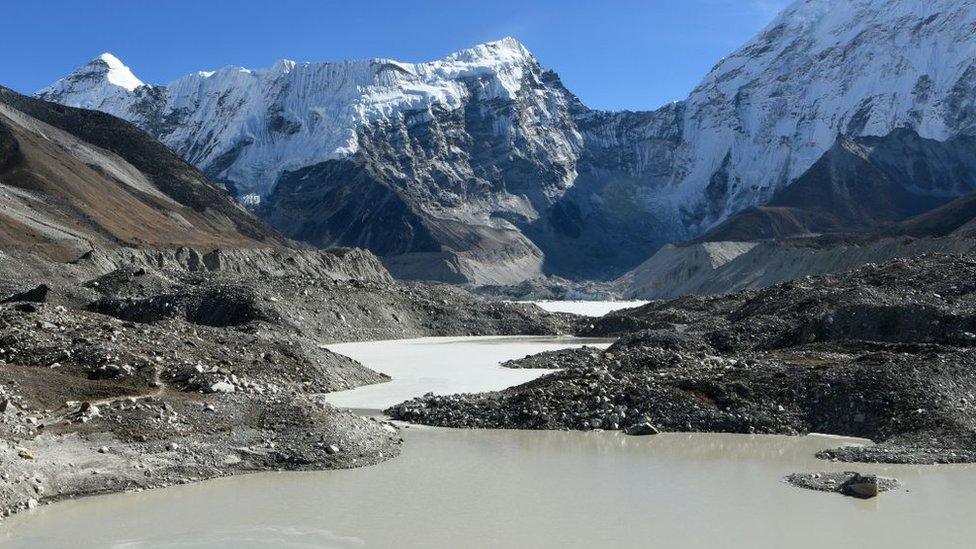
127 371
885 352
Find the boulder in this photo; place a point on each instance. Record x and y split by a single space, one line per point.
26 307
34 295
222 387
861 486
641 429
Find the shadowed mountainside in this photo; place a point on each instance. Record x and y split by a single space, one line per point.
861 184
72 180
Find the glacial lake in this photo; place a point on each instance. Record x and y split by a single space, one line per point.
586 308
474 489
444 365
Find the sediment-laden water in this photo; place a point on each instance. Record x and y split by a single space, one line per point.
458 488
444 365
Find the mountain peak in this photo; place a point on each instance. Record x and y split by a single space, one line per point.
508 42
504 49
111 60
283 65
115 71
91 85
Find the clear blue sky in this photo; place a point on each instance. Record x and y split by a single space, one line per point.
614 54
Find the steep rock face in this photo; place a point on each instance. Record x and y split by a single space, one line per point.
489 140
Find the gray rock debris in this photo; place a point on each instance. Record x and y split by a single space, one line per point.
849 483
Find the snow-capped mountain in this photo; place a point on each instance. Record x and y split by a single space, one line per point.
249 126
105 83
449 147
767 112
483 167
